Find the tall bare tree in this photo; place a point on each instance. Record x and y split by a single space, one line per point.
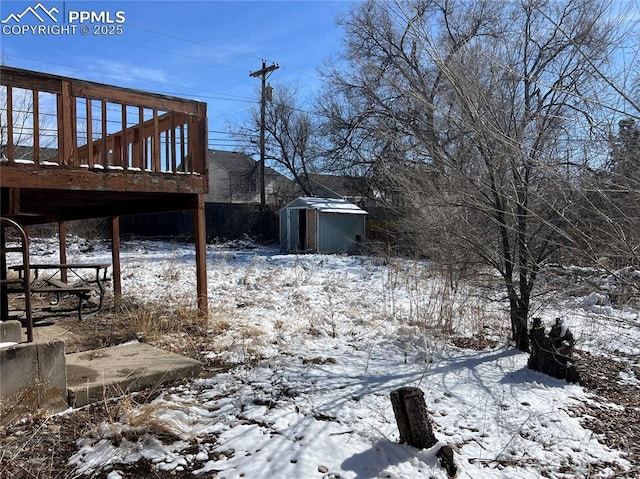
290 136
606 213
477 114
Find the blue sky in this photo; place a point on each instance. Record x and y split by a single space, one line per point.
203 49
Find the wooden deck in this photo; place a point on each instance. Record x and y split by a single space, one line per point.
105 146
72 149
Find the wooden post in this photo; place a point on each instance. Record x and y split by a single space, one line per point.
115 260
200 237
124 146
62 242
155 144
4 295
139 155
415 428
105 134
36 126
90 159
203 135
9 139
412 418
183 150
66 126
172 134
14 201
27 276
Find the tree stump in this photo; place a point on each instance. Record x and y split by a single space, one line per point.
551 354
412 418
415 428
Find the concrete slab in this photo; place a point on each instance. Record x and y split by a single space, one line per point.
117 370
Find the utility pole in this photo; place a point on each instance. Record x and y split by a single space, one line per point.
263 72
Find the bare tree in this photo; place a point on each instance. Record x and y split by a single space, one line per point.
606 214
290 136
477 113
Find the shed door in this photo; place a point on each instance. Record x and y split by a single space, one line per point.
311 230
301 238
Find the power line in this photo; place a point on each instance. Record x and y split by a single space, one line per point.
181 94
182 55
229 140
227 97
235 133
228 50
197 97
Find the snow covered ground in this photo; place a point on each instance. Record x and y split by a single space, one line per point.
316 344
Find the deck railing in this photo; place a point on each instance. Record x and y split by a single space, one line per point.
49 122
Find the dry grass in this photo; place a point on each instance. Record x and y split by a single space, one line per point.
438 305
39 446
152 320
24 403
178 328
131 420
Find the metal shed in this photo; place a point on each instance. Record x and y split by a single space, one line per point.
321 225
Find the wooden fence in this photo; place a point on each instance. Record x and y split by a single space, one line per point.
224 221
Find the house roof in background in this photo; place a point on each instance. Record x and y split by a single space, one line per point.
340 184
232 160
326 205
238 162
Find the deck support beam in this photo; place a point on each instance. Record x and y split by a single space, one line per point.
62 243
115 261
200 239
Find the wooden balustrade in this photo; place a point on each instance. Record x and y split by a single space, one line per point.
98 127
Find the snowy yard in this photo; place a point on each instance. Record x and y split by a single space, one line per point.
314 345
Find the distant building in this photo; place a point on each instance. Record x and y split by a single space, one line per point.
350 188
235 178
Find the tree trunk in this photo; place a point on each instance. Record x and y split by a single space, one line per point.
415 426
412 418
519 325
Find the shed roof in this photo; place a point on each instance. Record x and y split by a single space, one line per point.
326 205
